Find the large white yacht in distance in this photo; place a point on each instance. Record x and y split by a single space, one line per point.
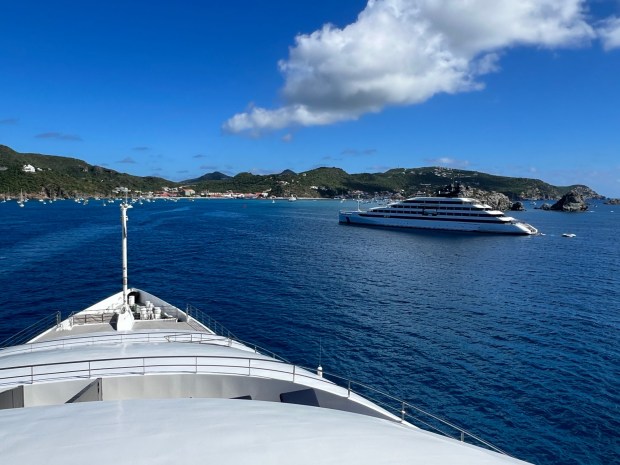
442 213
136 380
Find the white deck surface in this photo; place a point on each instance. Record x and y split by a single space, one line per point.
151 325
199 431
119 351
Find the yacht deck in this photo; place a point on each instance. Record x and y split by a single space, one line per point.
148 325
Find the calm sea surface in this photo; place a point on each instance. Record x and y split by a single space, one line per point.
514 338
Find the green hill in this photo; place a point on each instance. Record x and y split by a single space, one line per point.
64 177
331 182
68 177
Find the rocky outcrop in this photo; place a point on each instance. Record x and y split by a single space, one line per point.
517 207
571 202
495 200
586 192
612 202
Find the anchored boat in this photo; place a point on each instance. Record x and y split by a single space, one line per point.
439 213
134 379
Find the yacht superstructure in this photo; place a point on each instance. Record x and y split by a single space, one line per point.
136 380
441 213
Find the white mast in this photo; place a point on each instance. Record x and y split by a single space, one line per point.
125 317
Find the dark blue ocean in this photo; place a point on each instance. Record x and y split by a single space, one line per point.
514 338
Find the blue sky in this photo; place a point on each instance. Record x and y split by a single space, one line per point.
178 89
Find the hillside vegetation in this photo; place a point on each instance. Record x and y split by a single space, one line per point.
68 177
64 177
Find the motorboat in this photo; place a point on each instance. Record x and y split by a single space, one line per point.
134 379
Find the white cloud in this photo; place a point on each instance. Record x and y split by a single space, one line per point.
609 33
447 161
402 52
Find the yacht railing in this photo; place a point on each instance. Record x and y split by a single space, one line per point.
201 338
104 316
412 413
239 366
31 331
205 364
107 338
206 320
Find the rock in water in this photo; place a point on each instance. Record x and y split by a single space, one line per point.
517 207
571 202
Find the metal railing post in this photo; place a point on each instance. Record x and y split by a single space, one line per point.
402 412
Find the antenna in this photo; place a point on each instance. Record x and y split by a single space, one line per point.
124 207
319 370
125 317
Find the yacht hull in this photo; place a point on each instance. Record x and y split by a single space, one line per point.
363 218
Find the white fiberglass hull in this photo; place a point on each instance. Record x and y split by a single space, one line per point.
363 218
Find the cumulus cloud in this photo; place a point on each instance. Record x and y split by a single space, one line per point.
609 33
403 52
288 137
199 155
58 136
127 160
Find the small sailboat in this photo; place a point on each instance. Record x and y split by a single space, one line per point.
20 202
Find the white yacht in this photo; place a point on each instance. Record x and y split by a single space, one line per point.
136 380
443 213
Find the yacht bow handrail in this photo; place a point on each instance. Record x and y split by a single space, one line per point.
208 321
391 404
244 366
104 338
402 404
31 331
202 338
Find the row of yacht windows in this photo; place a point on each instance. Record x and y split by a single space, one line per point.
408 207
431 213
438 202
